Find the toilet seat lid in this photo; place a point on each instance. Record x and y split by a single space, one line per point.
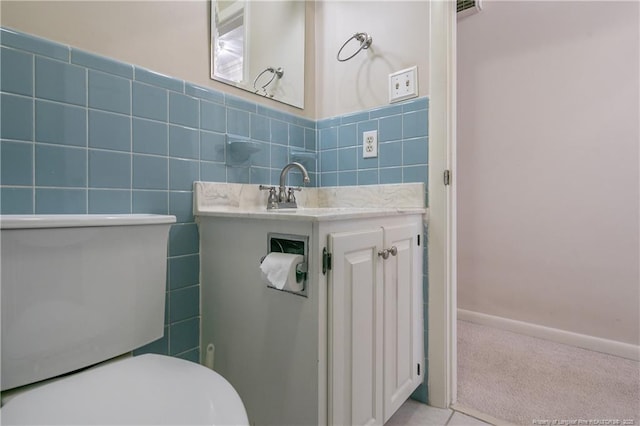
147 389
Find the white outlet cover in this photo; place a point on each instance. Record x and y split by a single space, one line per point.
403 84
370 144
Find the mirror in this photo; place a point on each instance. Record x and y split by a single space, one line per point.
258 46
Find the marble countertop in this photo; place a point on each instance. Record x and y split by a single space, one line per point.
314 204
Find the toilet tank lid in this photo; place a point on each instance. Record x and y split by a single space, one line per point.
81 220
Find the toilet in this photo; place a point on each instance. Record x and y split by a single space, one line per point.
79 293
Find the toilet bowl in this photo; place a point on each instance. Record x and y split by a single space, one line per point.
143 390
77 291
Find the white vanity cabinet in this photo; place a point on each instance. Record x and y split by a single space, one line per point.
347 352
375 321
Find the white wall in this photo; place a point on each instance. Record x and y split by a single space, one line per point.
548 176
170 37
400 31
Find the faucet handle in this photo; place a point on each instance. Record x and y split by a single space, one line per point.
272 201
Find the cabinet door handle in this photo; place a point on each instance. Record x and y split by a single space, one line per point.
393 250
384 253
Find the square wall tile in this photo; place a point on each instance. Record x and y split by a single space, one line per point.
59 81
213 117
109 131
390 128
238 122
183 110
415 151
109 169
279 156
328 138
310 140
329 160
60 166
347 158
16 73
184 142
212 146
150 137
61 124
16 200
16 167
279 132
390 154
149 102
61 201
415 124
109 93
150 172
16 115
260 129
182 174
347 135
296 136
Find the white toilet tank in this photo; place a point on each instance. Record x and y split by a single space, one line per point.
78 289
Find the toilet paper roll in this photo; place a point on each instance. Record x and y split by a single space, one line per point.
279 271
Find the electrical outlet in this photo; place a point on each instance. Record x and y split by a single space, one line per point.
403 84
370 144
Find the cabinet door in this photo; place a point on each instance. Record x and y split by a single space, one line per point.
355 329
403 334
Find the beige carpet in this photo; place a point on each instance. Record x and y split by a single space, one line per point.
525 380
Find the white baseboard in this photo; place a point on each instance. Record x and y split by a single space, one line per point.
612 347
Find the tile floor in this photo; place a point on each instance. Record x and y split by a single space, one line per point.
415 413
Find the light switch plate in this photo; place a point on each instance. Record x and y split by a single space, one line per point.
403 84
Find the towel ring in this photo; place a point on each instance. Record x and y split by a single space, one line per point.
279 72
365 41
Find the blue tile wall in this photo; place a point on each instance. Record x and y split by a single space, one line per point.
81 133
402 146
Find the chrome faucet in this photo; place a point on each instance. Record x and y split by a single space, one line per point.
285 197
283 176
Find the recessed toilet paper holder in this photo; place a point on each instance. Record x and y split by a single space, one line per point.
294 244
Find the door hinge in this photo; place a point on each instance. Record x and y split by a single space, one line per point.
326 261
418 240
418 369
447 177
